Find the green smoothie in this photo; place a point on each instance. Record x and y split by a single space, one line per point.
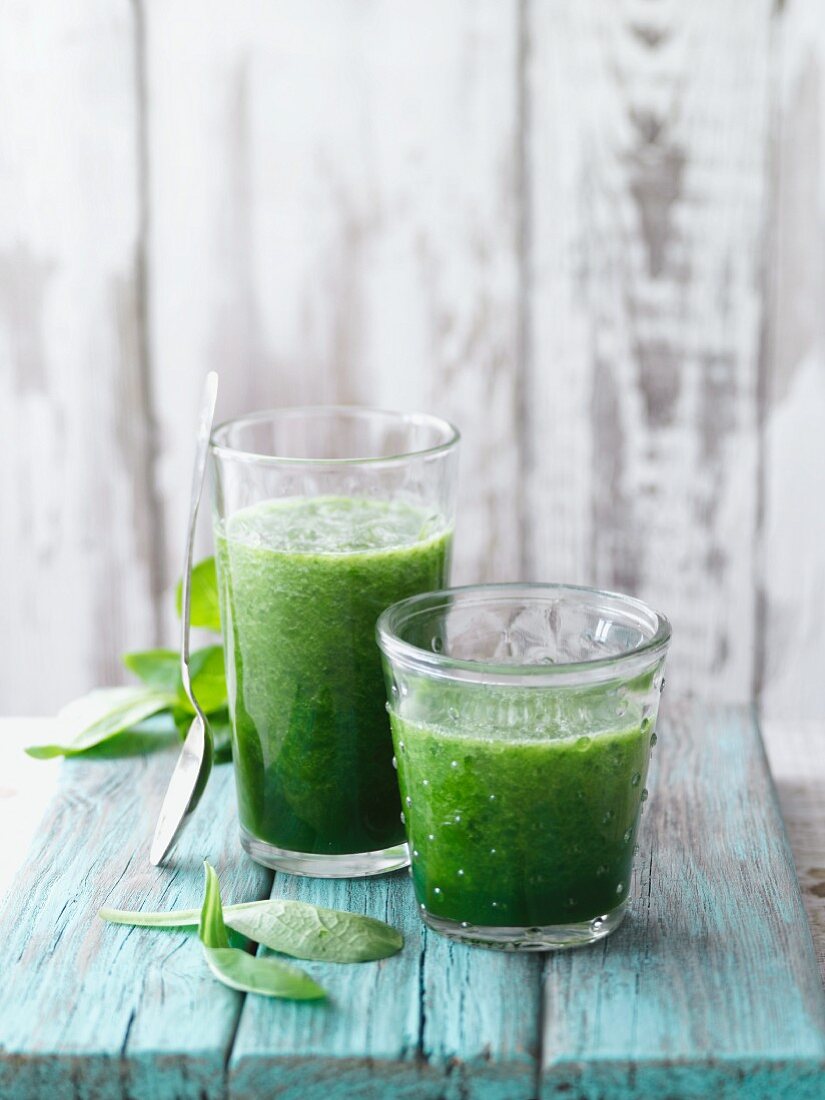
513 820
302 582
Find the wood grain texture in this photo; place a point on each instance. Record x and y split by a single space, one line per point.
792 584
710 988
25 790
437 1021
591 234
366 1041
647 145
76 537
481 1020
342 226
99 1011
796 751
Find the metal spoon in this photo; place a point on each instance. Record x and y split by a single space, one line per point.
195 761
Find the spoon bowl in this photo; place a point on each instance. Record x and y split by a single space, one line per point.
188 783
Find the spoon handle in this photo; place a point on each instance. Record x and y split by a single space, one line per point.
210 393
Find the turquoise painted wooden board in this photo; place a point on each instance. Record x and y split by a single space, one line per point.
709 989
712 988
85 1012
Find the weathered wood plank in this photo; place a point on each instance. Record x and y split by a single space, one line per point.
76 536
110 1012
481 1013
792 585
710 988
796 751
342 226
366 1041
26 789
711 985
438 1021
647 144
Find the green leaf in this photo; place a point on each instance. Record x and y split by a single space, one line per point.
266 976
204 607
221 727
172 918
101 715
211 928
240 970
160 668
308 932
155 732
208 674
183 720
291 927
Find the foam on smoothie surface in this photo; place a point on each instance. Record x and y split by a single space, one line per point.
332 525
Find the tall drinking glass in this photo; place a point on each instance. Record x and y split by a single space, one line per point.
523 718
322 517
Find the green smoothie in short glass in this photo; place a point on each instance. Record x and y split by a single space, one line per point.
302 582
513 821
523 717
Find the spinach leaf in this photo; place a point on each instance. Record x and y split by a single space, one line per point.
240 970
160 668
101 715
221 726
156 732
291 927
211 927
97 719
204 607
266 976
208 675
172 918
308 932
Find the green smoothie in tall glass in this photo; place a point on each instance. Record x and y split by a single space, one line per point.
302 582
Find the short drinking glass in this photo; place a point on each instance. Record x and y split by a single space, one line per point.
322 517
523 718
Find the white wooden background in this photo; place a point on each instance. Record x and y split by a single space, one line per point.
592 233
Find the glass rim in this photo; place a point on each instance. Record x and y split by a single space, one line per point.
440 664
224 450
